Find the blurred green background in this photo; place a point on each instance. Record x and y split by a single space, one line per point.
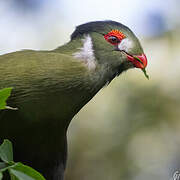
131 129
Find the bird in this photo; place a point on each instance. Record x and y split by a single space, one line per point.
51 86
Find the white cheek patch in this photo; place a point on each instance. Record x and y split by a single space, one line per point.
86 53
125 45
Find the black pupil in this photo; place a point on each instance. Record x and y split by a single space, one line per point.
113 39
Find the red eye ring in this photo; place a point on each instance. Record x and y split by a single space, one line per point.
114 37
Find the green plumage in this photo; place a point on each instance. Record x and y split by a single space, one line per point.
50 87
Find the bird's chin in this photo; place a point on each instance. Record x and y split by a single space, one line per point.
124 66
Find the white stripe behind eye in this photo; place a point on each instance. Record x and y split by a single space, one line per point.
86 53
125 45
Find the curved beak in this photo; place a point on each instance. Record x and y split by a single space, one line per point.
139 61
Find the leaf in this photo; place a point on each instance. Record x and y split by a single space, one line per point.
4 94
1 176
6 151
19 175
23 172
18 171
144 71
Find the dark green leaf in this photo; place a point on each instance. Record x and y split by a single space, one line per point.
144 71
6 151
4 94
23 172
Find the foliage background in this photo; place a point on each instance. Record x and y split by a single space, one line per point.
130 129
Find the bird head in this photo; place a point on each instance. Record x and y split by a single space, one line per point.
113 45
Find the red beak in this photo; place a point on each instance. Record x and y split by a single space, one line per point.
139 61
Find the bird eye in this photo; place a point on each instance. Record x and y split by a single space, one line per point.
113 39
